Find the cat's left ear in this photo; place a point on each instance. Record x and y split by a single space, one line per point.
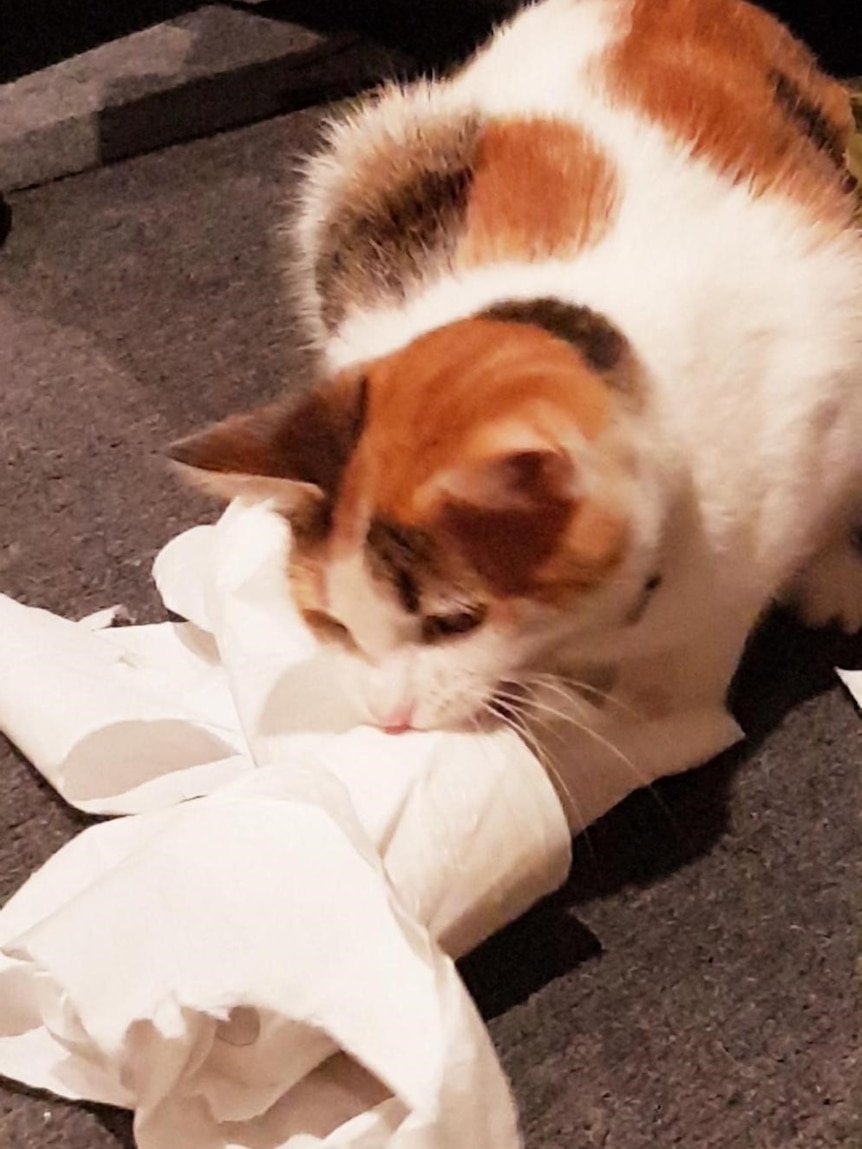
507 509
520 514
292 452
526 480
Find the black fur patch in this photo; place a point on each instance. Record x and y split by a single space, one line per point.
810 118
600 343
401 554
400 216
319 439
314 440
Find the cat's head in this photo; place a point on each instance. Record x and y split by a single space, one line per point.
459 508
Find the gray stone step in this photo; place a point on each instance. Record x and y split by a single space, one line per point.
213 69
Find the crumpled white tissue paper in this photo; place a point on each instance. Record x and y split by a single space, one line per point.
269 965
852 679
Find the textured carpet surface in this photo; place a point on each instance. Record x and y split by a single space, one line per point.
693 984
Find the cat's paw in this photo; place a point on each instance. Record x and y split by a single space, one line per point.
830 589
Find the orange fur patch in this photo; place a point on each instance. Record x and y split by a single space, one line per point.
432 409
541 187
731 80
455 382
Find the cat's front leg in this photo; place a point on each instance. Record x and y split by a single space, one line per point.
595 760
687 648
665 714
829 589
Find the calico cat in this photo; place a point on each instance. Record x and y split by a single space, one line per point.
589 314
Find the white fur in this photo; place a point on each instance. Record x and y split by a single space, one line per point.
747 315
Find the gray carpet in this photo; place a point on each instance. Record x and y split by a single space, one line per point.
693 984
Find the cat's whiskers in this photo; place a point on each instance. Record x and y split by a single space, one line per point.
478 729
560 682
518 704
567 716
643 780
541 707
528 737
540 748
520 726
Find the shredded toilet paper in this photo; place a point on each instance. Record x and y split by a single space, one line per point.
259 954
852 679
206 966
269 965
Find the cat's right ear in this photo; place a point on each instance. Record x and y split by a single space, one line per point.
291 452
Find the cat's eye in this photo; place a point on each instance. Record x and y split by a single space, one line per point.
436 627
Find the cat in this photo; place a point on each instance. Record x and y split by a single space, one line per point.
589 319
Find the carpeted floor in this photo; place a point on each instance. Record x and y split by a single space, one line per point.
693 984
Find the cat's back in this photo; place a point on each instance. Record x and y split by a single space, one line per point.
647 157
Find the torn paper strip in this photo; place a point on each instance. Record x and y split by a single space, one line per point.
852 679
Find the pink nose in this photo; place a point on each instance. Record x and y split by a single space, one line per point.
397 720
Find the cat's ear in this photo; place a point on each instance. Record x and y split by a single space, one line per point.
516 480
508 509
522 515
512 465
292 452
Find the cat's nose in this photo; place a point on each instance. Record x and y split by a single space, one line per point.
397 719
